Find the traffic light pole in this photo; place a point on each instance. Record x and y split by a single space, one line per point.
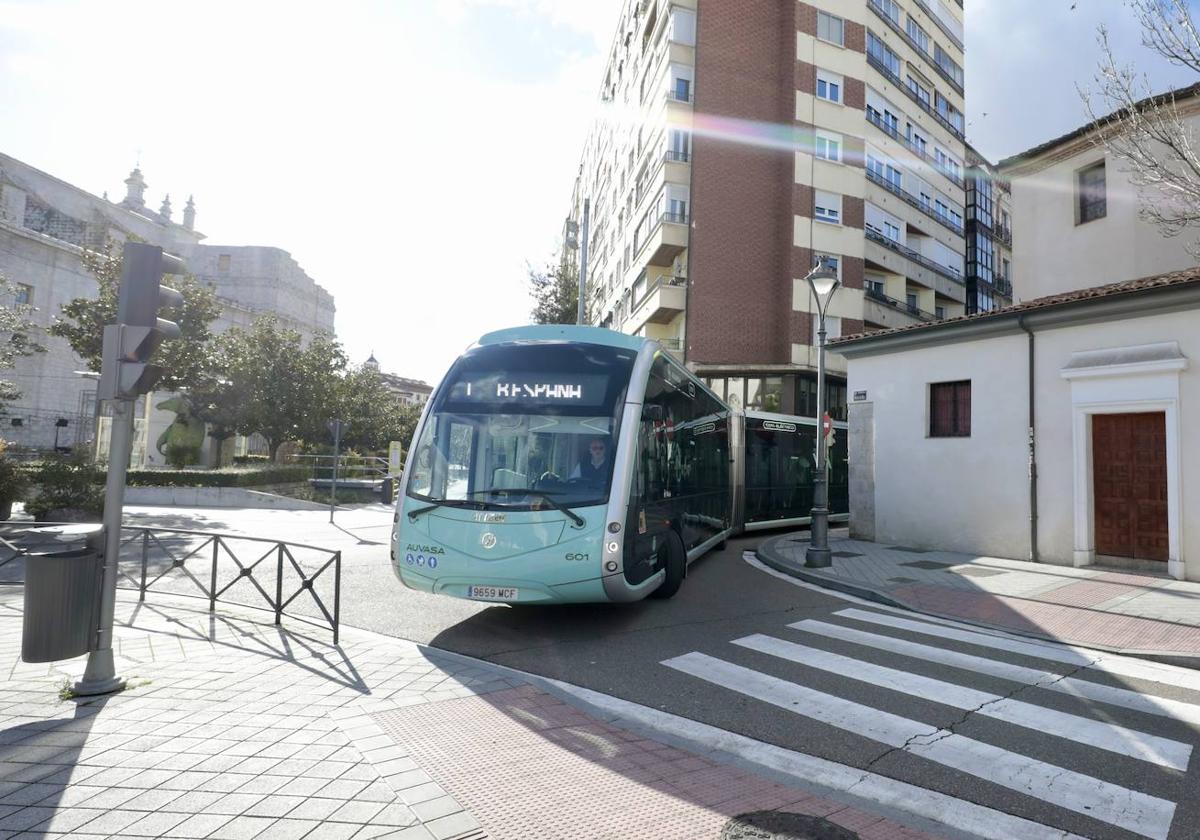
100 675
125 373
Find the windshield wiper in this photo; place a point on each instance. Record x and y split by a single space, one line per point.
413 514
520 491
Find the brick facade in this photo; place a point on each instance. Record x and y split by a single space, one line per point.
739 306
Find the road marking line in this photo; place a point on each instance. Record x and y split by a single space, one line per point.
812 773
1107 663
1138 812
1094 733
1084 689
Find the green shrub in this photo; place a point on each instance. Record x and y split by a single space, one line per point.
180 455
251 460
14 480
229 477
72 483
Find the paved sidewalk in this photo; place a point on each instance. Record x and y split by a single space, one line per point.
1112 610
233 728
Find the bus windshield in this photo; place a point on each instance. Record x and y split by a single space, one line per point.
523 426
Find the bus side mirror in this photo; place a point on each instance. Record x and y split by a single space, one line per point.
652 412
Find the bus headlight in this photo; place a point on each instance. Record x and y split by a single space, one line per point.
611 566
613 547
614 527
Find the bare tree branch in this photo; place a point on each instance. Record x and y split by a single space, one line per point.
1148 134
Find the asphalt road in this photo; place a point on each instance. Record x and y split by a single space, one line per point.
956 715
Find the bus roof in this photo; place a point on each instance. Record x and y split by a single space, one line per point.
564 332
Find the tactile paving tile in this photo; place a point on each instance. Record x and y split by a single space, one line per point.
528 765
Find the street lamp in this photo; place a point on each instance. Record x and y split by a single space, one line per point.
824 282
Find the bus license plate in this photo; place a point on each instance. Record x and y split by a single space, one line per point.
493 593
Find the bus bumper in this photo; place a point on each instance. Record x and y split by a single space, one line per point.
527 592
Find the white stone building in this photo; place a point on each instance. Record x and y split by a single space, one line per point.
46 223
1095 388
1061 429
1075 216
412 391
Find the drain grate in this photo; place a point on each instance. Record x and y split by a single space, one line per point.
783 825
977 572
928 565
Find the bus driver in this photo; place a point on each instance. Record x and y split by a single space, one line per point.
593 470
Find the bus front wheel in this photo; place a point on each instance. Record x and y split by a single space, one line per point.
674 560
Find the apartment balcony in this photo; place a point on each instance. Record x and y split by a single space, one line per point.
661 303
954 39
665 240
878 9
877 121
909 198
677 166
895 258
924 106
888 313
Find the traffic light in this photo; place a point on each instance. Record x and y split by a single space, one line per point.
130 343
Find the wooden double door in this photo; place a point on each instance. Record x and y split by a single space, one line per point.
1129 468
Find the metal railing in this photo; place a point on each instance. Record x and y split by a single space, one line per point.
910 254
940 25
686 97
158 558
659 282
677 156
924 106
350 468
903 306
899 191
876 120
878 9
671 343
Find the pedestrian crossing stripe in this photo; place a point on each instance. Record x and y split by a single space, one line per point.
1141 813
1079 657
1095 733
1049 680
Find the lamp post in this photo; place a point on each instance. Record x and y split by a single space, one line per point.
824 282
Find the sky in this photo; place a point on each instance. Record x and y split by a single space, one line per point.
412 155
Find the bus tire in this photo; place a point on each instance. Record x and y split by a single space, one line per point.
676 567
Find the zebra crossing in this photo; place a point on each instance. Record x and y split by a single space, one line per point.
1104 740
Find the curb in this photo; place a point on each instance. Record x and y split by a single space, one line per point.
764 554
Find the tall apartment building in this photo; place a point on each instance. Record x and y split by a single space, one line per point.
989 236
741 140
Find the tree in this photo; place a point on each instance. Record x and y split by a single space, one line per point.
376 416
284 389
16 337
219 404
1148 133
186 360
555 292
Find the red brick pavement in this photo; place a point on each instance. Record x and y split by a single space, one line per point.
528 765
1084 593
1056 620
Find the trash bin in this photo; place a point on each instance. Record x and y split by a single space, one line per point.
62 596
386 490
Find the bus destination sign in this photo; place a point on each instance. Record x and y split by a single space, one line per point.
579 390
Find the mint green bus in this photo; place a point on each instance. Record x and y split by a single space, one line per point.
564 464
